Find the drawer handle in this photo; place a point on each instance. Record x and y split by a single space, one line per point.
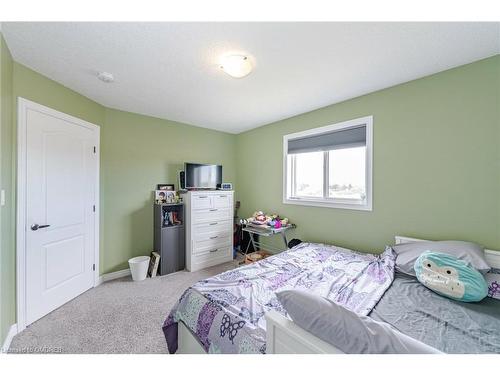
214 237
213 209
203 196
214 251
213 223
222 196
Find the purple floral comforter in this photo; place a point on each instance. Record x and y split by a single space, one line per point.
226 312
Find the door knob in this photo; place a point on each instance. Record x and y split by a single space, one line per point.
36 226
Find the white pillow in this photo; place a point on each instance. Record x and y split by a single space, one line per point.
344 329
408 253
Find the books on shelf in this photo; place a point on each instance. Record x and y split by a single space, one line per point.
171 218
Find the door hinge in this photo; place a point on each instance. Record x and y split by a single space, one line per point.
93 267
95 149
93 208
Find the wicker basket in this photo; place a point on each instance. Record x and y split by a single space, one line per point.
256 256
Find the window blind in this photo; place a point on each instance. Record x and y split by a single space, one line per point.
352 137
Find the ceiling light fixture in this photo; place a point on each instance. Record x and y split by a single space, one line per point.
106 77
237 66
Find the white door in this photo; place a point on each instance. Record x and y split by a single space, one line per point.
61 169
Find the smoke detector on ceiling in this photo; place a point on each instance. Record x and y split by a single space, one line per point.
106 77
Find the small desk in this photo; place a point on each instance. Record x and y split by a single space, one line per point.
266 231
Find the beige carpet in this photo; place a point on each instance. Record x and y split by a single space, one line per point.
120 316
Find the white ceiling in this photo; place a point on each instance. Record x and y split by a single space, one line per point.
171 71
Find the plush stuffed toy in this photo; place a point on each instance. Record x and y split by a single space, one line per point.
450 277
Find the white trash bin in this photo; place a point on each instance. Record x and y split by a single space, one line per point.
139 267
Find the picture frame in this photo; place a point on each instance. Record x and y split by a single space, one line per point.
153 264
168 187
161 196
170 196
165 196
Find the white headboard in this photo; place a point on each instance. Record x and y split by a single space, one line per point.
491 256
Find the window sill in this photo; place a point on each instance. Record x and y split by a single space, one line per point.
328 204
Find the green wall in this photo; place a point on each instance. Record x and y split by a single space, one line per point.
7 254
436 163
138 152
33 86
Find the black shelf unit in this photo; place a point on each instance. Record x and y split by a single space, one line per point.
169 240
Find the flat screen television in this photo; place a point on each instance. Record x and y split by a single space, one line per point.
202 176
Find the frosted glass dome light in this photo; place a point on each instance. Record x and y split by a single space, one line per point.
236 66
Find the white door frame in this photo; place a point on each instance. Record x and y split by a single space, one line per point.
23 106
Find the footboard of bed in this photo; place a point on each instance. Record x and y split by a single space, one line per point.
286 337
187 342
283 337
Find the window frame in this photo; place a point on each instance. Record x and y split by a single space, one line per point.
326 201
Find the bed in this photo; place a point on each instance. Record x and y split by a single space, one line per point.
237 311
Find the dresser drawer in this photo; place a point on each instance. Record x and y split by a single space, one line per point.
211 215
201 202
212 254
213 227
211 241
221 200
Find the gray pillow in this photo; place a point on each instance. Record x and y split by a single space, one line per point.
344 329
408 253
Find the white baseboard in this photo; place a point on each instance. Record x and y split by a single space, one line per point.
10 335
113 275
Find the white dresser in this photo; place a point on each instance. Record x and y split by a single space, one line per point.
209 228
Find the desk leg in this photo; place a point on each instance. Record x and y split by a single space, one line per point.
252 241
249 242
284 239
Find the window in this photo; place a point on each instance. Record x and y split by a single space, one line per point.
330 166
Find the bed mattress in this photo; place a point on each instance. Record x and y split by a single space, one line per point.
226 312
447 325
